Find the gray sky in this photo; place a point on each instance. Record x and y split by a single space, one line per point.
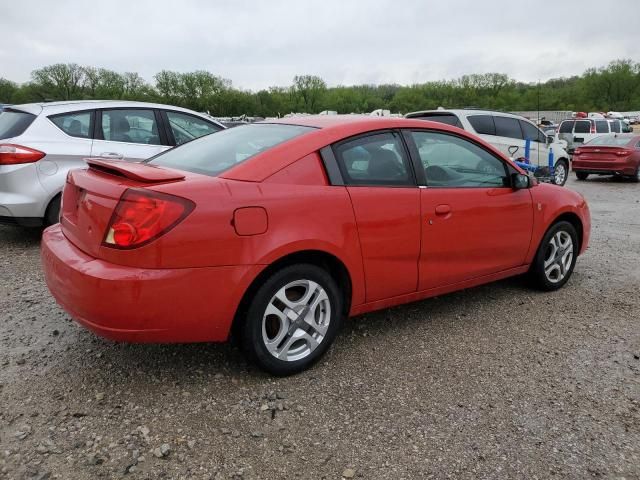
257 44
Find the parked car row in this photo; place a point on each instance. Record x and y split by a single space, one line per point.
40 143
507 133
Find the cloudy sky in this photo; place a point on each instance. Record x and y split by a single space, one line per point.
258 44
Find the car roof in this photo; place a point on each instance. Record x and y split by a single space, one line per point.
327 129
465 112
49 108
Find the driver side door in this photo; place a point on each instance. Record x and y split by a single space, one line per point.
473 222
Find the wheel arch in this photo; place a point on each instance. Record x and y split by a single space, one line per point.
329 262
574 220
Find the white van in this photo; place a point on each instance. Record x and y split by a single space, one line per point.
506 132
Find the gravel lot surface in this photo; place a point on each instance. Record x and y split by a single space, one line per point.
493 382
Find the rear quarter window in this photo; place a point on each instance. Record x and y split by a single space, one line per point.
75 124
14 123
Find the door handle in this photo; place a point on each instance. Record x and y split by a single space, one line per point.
112 155
443 209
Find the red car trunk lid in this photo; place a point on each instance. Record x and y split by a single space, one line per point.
90 197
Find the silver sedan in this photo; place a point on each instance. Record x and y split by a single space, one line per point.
41 142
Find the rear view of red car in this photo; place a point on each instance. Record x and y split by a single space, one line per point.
609 155
278 231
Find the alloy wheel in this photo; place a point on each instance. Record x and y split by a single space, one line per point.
296 320
558 257
560 173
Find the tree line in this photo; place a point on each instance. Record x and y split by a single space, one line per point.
612 87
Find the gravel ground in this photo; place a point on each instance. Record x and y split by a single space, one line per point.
493 382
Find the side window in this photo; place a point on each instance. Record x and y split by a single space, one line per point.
451 161
483 124
566 127
76 124
602 126
583 126
531 132
507 127
615 126
377 159
132 126
186 127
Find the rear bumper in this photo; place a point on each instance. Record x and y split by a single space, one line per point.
21 193
605 168
143 305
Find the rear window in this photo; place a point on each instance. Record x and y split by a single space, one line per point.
601 126
213 154
483 124
610 140
583 126
566 127
14 123
446 118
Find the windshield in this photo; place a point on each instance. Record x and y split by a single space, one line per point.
14 123
609 140
213 154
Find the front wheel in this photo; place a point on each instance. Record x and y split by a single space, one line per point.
581 175
560 172
293 319
556 257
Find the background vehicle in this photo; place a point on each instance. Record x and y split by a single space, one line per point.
278 230
577 132
609 155
507 133
41 142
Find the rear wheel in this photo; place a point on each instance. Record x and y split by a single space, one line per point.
560 172
581 175
637 175
556 257
293 319
52 215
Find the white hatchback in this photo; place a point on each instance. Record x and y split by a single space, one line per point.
506 132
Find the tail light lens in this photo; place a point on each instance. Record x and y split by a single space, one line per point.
623 153
17 154
141 216
593 128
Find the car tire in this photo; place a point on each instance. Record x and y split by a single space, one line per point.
556 257
280 333
636 177
561 172
52 216
582 175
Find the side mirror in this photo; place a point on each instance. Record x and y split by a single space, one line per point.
520 181
550 139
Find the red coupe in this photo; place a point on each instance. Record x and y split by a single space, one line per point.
279 230
609 155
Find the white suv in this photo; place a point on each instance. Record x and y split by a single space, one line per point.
41 142
507 133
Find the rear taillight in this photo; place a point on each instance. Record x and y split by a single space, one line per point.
593 128
624 153
17 154
141 216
